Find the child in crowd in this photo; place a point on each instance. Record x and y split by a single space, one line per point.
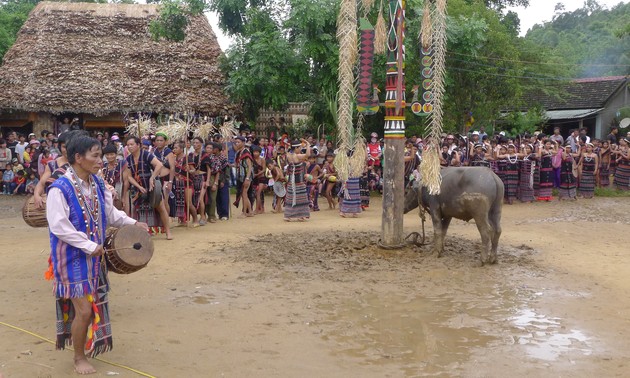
7 180
20 182
31 183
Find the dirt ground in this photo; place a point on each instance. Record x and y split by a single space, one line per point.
262 298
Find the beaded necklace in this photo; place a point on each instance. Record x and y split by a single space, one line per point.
515 158
90 206
587 158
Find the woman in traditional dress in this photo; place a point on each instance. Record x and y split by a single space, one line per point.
183 186
260 180
312 186
198 174
296 201
567 188
166 174
143 168
622 173
501 151
604 164
510 173
480 157
54 168
330 179
589 163
546 172
113 173
364 186
526 179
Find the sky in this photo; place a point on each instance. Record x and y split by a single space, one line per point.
538 12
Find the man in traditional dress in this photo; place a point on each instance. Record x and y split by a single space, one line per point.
244 176
143 169
79 210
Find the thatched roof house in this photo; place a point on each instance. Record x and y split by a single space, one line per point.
100 59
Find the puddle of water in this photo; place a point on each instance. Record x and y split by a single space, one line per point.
545 339
438 335
426 336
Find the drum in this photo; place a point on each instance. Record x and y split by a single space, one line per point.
33 216
308 177
127 249
155 196
332 179
279 189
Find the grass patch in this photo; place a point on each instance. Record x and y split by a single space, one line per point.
610 192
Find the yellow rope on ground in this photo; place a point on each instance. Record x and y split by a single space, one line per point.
96 358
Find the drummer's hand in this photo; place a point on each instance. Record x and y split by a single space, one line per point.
39 201
151 184
99 251
143 225
142 190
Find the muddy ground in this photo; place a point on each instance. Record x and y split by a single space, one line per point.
260 297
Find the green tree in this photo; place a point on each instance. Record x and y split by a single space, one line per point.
13 14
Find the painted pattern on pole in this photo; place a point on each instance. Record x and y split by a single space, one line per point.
395 79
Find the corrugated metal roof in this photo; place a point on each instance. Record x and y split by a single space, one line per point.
571 113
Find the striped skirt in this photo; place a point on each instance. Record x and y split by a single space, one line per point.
604 175
587 180
296 203
351 203
510 180
179 210
365 192
197 184
567 181
622 175
526 181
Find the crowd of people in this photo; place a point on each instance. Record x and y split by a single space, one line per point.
155 180
531 166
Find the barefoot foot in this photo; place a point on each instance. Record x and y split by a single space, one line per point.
83 367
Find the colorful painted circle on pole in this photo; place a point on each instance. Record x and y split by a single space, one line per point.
427 61
416 107
427 72
427 84
427 108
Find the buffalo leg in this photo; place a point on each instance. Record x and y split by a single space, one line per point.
445 223
438 236
485 230
495 222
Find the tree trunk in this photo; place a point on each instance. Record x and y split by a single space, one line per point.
393 192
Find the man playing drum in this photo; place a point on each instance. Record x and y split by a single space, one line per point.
79 210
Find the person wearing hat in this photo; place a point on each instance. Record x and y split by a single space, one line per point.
244 176
479 156
375 153
16 165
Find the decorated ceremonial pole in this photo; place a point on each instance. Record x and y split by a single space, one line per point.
393 154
